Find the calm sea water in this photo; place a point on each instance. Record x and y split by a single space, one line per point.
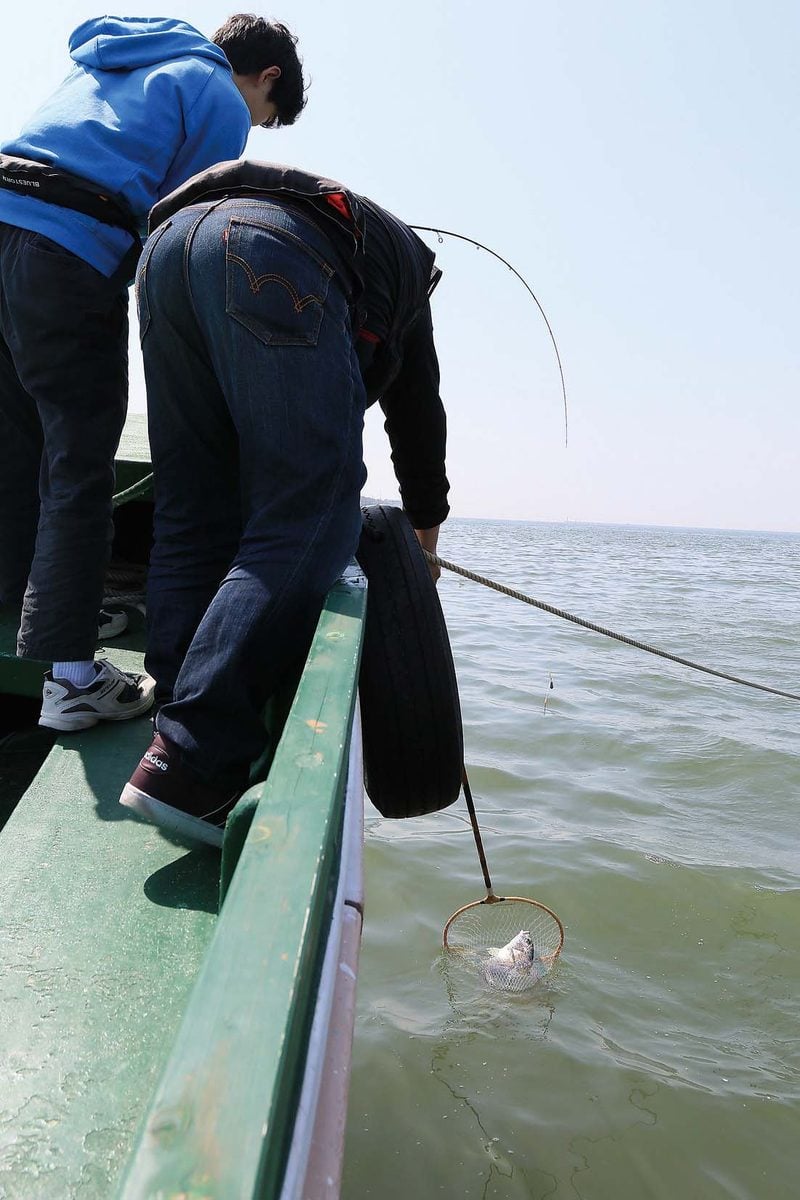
656 810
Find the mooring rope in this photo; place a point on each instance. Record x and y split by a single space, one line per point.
620 637
125 584
133 493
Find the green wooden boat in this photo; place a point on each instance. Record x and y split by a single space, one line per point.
173 1026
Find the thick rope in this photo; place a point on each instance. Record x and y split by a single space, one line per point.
125 600
620 637
122 574
126 585
143 485
134 492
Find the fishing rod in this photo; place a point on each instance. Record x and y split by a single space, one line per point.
443 233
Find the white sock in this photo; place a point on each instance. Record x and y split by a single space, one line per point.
78 673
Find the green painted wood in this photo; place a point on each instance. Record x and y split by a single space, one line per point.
22 753
20 676
239 821
222 1115
104 924
237 828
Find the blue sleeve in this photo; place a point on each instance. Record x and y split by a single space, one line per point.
216 130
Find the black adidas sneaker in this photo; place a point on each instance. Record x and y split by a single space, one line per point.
113 695
163 792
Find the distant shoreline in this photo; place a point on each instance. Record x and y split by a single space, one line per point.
788 533
395 503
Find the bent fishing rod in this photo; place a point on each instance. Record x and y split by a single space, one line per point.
441 234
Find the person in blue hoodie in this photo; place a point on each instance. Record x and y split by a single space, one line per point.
148 103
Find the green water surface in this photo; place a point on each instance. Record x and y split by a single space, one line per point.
656 811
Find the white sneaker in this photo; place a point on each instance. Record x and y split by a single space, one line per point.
110 623
113 695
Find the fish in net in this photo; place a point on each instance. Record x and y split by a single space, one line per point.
512 942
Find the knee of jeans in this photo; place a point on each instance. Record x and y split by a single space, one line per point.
81 483
318 576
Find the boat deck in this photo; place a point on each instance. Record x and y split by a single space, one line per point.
153 1043
23 676
105 924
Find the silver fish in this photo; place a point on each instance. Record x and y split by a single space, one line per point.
511 965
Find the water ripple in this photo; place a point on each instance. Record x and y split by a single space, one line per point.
656 811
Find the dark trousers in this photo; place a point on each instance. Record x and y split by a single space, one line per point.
63 397
255 410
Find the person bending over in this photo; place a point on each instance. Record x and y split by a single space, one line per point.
274 306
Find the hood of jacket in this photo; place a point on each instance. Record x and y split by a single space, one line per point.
125 43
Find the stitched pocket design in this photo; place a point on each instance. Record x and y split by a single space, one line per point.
276 285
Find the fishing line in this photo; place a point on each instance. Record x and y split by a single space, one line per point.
442 233
620 637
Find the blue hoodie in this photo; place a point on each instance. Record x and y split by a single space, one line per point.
148 103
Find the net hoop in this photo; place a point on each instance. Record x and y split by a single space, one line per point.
492 899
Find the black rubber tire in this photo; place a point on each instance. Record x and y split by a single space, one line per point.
410 712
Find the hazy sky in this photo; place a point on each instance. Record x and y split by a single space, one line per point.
636 161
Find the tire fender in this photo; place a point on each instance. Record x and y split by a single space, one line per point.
410 711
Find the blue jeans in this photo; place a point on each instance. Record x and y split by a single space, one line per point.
63 396
255 408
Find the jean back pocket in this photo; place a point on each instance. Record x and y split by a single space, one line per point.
276 284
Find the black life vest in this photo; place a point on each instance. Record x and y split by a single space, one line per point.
242 177
43 182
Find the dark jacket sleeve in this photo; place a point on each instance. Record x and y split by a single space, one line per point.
417 427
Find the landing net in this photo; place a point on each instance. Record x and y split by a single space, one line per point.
512 942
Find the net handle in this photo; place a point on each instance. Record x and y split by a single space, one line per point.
490 896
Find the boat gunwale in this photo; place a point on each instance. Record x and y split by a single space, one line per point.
222 1116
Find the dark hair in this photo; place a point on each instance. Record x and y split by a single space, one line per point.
252 44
